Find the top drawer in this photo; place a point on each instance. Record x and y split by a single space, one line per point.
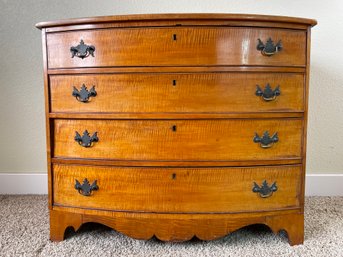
176 46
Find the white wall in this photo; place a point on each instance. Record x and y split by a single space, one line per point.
22 129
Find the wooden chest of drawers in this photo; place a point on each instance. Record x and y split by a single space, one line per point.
177 125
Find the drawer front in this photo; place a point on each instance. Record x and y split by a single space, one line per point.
178 93
189 190
177 140
186 46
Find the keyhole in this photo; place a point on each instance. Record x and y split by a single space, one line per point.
174 82
174 37
173 176
174 128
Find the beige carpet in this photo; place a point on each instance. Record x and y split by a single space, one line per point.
24 231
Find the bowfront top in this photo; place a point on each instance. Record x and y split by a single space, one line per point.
220 17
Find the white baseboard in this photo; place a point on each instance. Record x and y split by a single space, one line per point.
324 185
25 183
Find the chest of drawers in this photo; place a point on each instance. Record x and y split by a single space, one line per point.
177 125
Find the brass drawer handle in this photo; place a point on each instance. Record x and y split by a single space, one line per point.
86 140
269 48
83 94
86 188
82 50
268 94
264 191
266 141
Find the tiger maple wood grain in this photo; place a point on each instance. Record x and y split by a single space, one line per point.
207 166
184 93
189 190
194 46
192 140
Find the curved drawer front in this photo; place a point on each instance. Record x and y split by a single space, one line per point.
175 46
191 190
177 140
177 93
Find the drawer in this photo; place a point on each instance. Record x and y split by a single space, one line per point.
175 46
177 93
178 140
189 190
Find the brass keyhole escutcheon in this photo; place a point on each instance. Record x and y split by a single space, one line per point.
173 128
174 37
174 82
